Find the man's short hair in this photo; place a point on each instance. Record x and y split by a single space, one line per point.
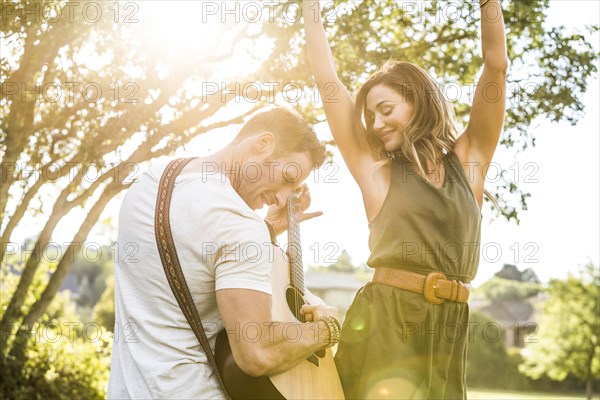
292 133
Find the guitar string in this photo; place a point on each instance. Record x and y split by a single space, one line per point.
292 227
297 260
296 256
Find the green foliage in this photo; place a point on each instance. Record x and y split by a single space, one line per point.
549 71
344 263
488 362
491 365
65 357
78 134
59 367
569 330
92 273
498 289
10 271
104 311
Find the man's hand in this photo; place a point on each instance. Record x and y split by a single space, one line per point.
277 217
317 312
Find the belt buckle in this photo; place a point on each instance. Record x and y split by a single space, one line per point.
430 286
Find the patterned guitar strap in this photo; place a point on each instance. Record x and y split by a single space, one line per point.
170 261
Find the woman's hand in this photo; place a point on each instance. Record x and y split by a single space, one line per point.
277 217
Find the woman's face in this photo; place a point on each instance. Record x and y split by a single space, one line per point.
387 114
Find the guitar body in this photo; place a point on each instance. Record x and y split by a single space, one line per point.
306 380
314 378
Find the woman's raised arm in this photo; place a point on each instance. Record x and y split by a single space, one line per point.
338 104
487 115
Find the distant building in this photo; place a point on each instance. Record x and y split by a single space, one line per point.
516 315
516 318
335 288
511 272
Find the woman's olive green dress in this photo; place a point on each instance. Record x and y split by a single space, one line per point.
394 344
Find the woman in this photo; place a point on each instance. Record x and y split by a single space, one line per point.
405 335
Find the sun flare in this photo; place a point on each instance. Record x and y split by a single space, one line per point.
179 28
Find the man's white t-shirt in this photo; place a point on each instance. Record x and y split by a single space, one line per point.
221 243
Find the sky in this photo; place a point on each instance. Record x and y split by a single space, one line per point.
559 232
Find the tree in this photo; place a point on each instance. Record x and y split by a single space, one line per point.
569 331
499 289
69 358
104 311
85 101
549 67
344 263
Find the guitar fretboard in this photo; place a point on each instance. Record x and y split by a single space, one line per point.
294 249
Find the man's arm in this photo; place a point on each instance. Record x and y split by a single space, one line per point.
260 345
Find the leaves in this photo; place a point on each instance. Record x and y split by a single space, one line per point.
549 73
569 331
80 96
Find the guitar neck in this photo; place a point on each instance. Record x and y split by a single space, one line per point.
294 249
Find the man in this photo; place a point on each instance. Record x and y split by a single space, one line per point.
223 249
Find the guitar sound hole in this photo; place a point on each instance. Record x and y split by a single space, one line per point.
295 303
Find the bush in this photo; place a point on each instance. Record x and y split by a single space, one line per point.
489 365
499 289
59 367
104 311
62 360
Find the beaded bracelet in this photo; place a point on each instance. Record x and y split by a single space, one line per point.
333 326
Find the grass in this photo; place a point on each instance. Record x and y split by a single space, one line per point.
483 394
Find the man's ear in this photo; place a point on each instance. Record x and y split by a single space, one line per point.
264 143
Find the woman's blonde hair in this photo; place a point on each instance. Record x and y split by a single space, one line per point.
430 133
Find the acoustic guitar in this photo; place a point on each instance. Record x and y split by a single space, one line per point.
313 378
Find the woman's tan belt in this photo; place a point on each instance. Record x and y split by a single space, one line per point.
435 286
